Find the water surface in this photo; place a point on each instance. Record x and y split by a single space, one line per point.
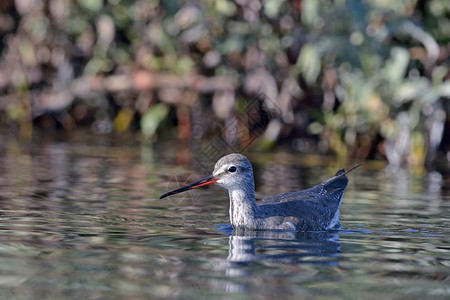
84 220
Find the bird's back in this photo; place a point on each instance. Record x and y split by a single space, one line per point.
315 208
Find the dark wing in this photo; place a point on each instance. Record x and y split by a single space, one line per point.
324 198
314 208
308 194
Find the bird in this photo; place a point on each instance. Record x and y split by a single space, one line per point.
313 209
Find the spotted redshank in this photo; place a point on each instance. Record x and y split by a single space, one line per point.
316 208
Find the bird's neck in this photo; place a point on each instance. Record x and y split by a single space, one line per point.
242 206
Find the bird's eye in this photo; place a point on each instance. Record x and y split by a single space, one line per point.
232 169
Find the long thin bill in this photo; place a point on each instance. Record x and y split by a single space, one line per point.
202 182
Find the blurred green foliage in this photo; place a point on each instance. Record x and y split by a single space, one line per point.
363 78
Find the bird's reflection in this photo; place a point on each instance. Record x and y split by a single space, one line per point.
249 248
284 246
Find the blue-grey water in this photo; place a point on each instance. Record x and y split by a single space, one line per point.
83 220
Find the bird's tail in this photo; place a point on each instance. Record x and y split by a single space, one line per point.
335 187
339 174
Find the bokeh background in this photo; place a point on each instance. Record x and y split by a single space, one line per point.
357 79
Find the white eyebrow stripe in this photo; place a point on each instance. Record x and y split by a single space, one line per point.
221 170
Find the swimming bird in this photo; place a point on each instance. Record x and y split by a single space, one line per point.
313 209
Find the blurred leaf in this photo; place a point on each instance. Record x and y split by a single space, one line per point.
121 15
15 111
232 45
98 65
28 53
184 65
443 90
315 128
225 7
77 25
37 27
123 119
439 74
152 118
310 12
418 151
92 5
157 35
272 7
309 63
411 89
396 66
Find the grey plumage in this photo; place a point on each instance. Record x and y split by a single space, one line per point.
316 208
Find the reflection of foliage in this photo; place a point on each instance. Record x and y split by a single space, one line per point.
359 74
